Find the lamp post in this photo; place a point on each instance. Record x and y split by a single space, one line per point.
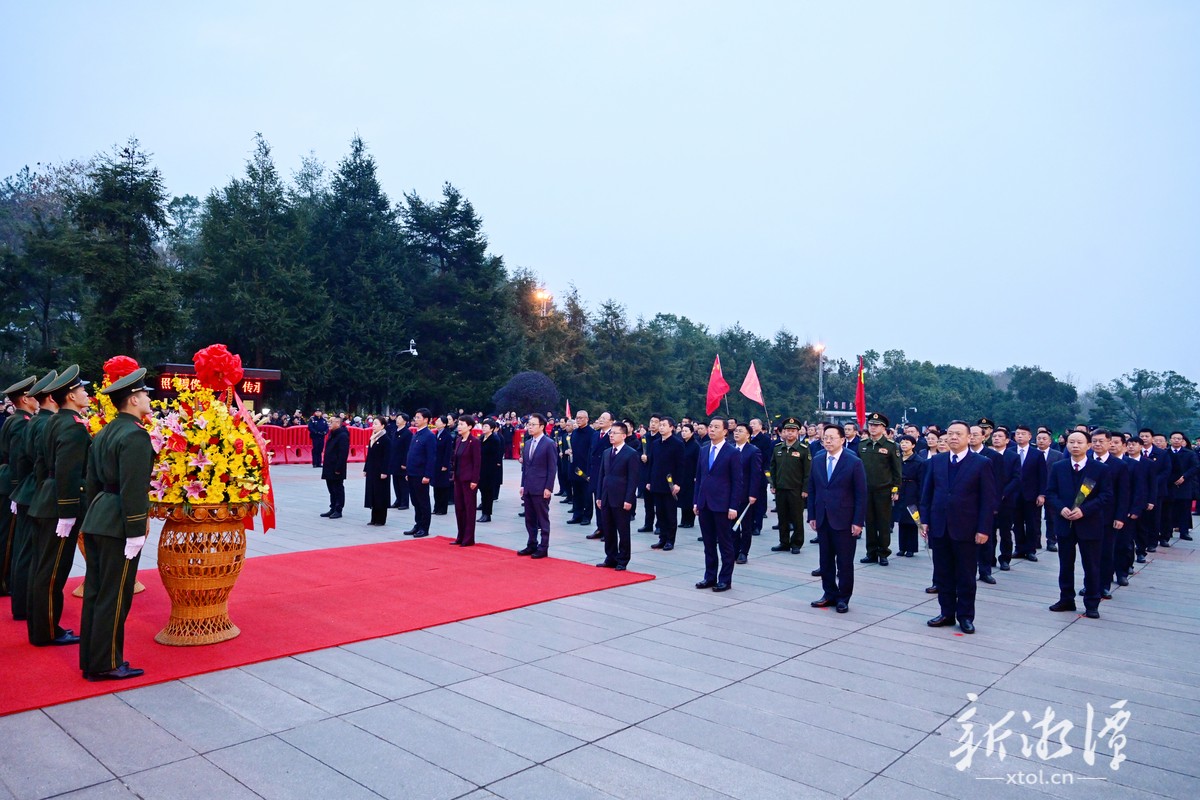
819 348
544 297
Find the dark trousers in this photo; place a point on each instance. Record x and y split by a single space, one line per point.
744 535
337 493
1027 527
667 511
1147 532
1108 564
22 563
537 521
379 512
954 564
52 559
614 523
441 499
1181 514
790 506
400 486
1123 550
1164 518
418 495
717 531
909 543
879 523
8 528
837 550
686 515
318 444
987 556
581 499
758 511
647 499
464 511
1051 530
1003 533
487 498
107 595
1089 554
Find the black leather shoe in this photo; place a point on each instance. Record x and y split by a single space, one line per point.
574 521
668 546
420 534
596 535
842 607
931 590
1187 537
868 560
816 573
484 518
606 565
824 602
699 538
409 532
966 626
1122 581
1141 559
1152 549
706 584
1063 605
645 530
813 540
64 638
540 554
795 551
526 551
721 587
1092 613
658 530
1004 567
883 562
689 525
1106 595
940 621
1050 548
1032 557
119 674
1164 544
619 567
657 545
520 513
402 508
774 527
988 579
780 548
336 515
740 560
327 513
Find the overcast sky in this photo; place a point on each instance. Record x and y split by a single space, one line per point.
1022 174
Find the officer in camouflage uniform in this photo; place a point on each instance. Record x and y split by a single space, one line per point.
881 460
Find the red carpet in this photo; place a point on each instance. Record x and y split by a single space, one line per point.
298 602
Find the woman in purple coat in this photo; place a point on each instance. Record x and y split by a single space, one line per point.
466 480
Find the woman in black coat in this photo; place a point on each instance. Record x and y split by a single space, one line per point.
443 487
687 476
912 475
378 471
491 469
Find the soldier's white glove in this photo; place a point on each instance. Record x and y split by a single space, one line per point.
134 546
13 507
64 527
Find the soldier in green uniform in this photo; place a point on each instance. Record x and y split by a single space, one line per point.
881 460
114 529
57 509
23 408
791 463
24 445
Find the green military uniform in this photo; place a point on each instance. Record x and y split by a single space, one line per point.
24 445
881 460
118 486
8 520
790 468
59 497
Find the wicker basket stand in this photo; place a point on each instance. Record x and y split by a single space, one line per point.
200 555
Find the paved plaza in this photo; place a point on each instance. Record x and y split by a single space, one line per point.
658 690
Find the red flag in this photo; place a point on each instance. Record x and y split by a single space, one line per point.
752 388
568 409
860 397
717 387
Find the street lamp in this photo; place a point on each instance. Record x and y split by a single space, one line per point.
819 349
544 297
905 420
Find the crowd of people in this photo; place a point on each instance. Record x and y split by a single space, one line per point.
979 493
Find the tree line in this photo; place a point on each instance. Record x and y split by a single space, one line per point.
326 278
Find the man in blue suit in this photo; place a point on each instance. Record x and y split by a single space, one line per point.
615 493
837 496
754 480
539 468
958 504
1008 486
1031 496
422 462
1080 522
719 489
1117 514
1051 456
1141 517
1161 495
1184 469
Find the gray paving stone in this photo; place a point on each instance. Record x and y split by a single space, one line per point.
141 743
665 671
389 652
540 782
881 788
508 646
606 699
432 642
624 777
456 751
40 760
559 715
275 770
318 688
379 765
515 734
192 717
265 705
710 661
191 779
372 676
651 690
112 790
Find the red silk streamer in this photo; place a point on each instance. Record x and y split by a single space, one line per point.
268 504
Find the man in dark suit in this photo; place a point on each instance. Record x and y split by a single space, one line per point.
615 494
580 453
666 469
958 506
1117 514
1008 487
1079 514
760 437
1142 475
421 465
1160 497
1051 456
539 467
853 440
648 447
754 479
1184 469
719 488
401 440
837 498
333 468
1031 496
